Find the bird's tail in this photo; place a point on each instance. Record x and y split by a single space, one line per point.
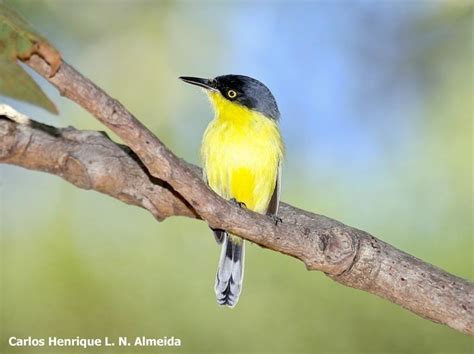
230 271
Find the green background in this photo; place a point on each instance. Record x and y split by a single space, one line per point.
379 135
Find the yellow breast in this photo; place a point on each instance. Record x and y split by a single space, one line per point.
241 152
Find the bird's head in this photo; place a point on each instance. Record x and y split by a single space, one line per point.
229 90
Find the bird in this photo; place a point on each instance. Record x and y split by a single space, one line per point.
242 152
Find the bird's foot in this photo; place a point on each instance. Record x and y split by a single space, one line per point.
276 219
239 204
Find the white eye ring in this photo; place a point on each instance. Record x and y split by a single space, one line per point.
231 94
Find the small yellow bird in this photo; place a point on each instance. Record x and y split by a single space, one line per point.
242 151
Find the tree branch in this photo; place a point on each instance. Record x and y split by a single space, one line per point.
89 160
349 256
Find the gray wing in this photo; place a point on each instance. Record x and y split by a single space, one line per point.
275 201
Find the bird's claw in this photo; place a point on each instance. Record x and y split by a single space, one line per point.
239 204
276 219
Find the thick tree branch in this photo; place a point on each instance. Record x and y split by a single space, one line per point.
350 256
89 160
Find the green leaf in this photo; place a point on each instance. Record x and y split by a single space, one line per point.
18 41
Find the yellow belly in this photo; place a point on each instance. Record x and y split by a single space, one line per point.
241 154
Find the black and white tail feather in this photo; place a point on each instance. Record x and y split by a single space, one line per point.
230 271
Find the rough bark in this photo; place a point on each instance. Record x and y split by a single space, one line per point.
349 256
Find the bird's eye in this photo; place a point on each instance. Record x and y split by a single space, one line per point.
231 94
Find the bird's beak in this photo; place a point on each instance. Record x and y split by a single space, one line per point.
204 83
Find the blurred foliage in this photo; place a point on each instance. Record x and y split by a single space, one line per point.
397 162
19 41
